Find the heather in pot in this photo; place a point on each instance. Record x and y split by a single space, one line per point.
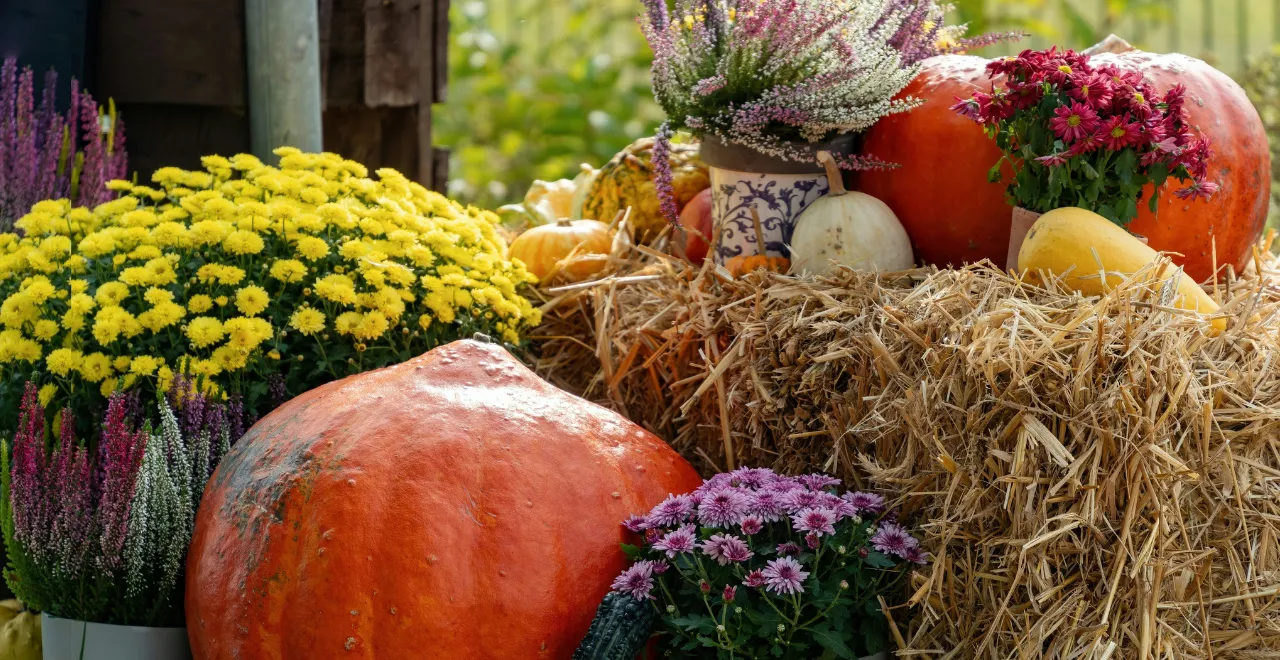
98 531
757 565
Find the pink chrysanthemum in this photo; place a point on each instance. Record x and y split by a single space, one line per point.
1197 190
817 481
672 511
748 477
755 579
865 502
793 501
680 541
784 576
730 592
636 581
916 555
1118 133
767 507
723 508
819 520
636 524
892 539
726 549
751 525
788 549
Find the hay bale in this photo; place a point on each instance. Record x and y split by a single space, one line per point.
1096 477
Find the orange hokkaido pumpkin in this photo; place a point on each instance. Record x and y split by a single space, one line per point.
453 506
544 246
741 265
1235 216
940 191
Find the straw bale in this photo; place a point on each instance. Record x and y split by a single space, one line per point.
1095 477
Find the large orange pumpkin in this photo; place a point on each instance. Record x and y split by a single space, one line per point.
1235 217
940 191
454 506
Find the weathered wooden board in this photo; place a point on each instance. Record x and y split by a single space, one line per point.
188 52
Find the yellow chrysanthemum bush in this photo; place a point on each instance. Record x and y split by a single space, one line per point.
250 279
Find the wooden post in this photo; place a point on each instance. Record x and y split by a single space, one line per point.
283 57
433 29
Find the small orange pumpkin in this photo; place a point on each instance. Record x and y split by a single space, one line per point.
741 265
544 247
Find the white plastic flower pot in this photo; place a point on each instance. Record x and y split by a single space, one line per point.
66 639
743 179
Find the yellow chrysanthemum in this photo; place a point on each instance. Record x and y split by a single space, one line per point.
111 294
288 270
307 320
143 365
242 242
45 329
94 367
204 331
157 296
47 393
63 361
251 300
199 303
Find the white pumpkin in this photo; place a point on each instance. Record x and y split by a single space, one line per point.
844 228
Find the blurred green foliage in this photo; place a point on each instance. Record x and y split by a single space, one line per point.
573 88
1262 82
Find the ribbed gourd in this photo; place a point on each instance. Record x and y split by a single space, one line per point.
619 631
627 181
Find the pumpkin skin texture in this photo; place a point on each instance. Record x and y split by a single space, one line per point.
542 247
1236 215
940 192
453 506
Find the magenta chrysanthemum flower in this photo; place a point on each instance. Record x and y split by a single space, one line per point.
1092 88
1118 133
788 549
865 502
795 500
751 525
730 592
817 481
1197 190
660 567
755 579
681 540
784 576
819 520
1053 160
767 507
782 485
723 508
892 539
1074 121
916 555
726 549
636 581
672 511
636 524
748 477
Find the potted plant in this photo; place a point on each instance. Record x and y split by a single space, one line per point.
97 533
753 564
766 85
1094 137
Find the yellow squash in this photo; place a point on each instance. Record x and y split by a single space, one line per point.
1065 240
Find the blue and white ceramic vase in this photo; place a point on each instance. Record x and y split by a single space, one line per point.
778 190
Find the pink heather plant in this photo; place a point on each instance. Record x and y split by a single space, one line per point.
105 539
755 564
1090 136
772 74
46 155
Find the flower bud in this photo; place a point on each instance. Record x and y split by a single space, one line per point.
704 586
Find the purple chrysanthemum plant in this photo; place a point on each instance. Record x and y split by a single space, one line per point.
773 75
48 155
758 564
99 531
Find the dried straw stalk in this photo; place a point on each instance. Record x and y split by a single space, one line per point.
1096 477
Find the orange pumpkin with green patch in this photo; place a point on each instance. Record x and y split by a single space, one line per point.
454 506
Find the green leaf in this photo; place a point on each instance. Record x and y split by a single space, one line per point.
993 175
632 551
832 641
879 560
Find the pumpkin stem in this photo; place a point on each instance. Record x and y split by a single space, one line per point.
1112 44
834 179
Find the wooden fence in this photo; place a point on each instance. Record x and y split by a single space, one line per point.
1225 32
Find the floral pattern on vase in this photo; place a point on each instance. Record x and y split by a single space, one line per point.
779 199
